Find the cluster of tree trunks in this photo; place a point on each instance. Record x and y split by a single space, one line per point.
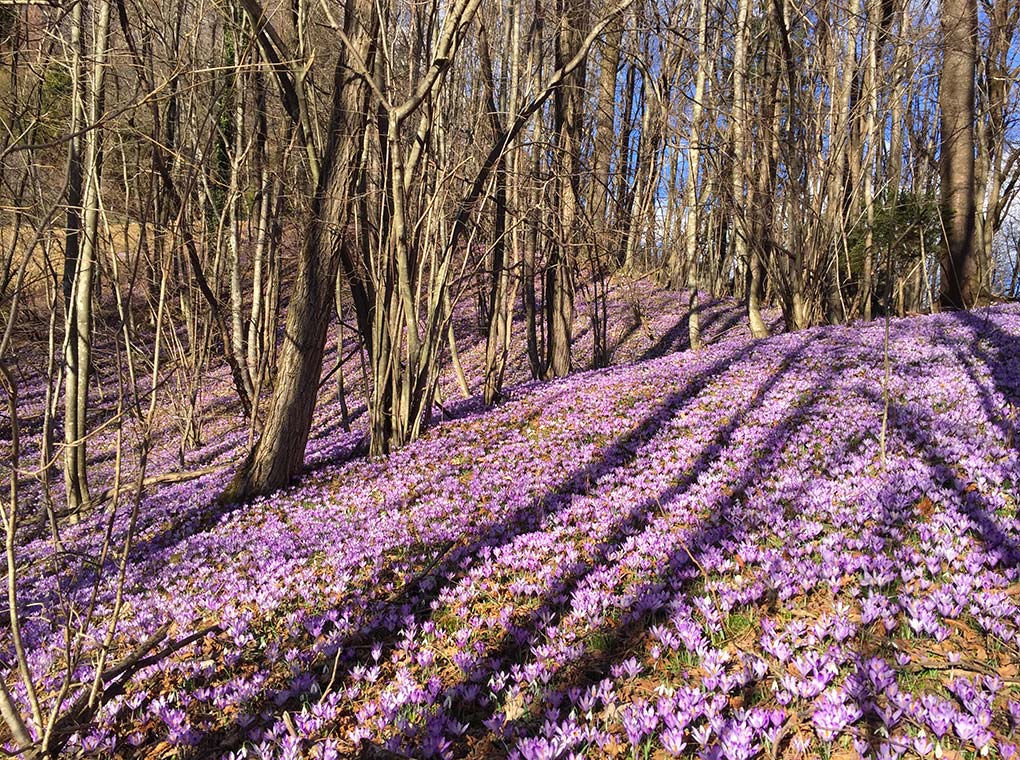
393 161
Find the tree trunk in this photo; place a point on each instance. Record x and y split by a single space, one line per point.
691 185
279 453
960 272
743 251
605 239
869 158
500 302
567 113
85 163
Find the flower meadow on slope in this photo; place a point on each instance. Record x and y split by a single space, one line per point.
725 554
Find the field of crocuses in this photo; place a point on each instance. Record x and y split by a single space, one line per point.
765 549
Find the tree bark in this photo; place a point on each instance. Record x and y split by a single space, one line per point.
567 113
279 453
960 272
691 185
85 163
605 120
743 251
500 305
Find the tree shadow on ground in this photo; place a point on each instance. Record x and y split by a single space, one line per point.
679 574
928 439
422 590
681 571
623 636
999 352
715 322
932 438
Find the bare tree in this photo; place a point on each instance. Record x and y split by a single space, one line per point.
85 161
960 271
568 113
279 453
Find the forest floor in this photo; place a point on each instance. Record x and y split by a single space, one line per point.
781 548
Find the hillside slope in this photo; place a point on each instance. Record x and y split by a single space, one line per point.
764 549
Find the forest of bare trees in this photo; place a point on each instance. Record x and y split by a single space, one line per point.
187 185
275 164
